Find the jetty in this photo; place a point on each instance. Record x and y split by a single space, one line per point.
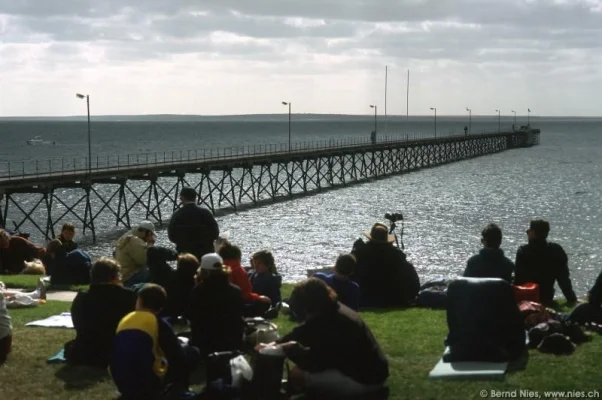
41 194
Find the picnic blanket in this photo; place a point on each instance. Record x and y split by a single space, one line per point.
62 320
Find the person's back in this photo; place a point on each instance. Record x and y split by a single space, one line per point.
215 310
180 285
544 263
147 356
490 262
137 362
333 349
347 290
192 228
96 314
384 275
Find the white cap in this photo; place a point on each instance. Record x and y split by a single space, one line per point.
149 226
211 262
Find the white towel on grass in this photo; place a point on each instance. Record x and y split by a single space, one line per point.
62 320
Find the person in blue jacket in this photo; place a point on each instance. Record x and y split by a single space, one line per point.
67 268
264 277
347 290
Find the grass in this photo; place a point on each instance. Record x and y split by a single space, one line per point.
412 340
30 282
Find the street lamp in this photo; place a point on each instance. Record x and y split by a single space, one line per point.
469 120
375 112
528 116
514 116
498 120
289 104
435 109
87 97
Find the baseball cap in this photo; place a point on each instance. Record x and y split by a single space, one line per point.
212 262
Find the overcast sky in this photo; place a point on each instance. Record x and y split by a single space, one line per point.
325 56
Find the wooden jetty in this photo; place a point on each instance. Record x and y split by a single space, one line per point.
147 186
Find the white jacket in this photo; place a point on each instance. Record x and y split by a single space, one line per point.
130 253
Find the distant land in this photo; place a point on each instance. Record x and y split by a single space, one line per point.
262 117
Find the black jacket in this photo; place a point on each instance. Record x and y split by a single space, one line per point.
193 229
385 276
340 340
544 263
216 316
96 314
489 263
595 293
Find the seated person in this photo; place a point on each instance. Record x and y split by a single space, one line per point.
335 353
130 253
96 314
255 304
180 285
216 309
147 356
490 262
544 263
264 277
6 331
160 272
592 310
347 290
72 268
66 237
385 276
14 251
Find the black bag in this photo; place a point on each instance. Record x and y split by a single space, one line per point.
267 376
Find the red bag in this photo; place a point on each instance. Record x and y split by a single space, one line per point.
526 292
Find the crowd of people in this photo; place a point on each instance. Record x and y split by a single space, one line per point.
125 320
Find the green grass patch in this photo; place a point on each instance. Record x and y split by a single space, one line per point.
412 340
30 282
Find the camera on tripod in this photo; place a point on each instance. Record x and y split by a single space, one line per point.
394 217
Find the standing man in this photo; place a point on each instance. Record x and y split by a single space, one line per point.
544 263
192 228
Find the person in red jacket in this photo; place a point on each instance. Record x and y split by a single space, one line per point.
255 304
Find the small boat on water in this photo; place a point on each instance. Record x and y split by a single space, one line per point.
37 141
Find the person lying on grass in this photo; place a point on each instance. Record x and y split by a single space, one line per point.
14 251
335 353
96 314
147 358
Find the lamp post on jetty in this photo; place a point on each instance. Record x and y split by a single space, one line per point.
498 120
375 112
289 104
514 112
87 97
469 120
435 109
528 116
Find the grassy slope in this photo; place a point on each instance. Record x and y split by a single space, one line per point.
412 339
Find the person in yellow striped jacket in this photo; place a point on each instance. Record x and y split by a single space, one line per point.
147 357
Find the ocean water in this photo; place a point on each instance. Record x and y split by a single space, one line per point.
445 208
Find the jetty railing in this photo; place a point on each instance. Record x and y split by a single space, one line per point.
15 170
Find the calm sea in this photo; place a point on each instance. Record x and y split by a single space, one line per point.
445 208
